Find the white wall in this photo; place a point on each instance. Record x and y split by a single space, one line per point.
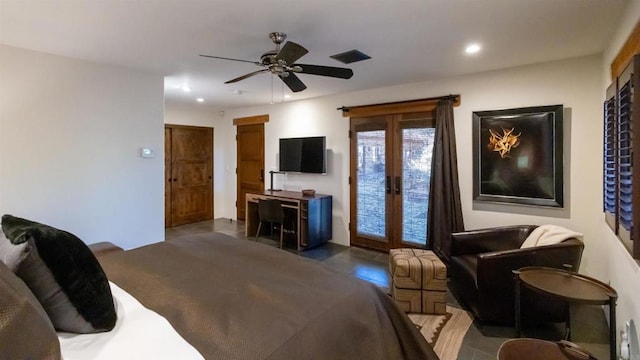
196 114
618 266
223 139
70 137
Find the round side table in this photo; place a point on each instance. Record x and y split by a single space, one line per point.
571 287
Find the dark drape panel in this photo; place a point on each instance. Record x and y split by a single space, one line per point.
445 211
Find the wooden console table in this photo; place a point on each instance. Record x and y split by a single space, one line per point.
312 215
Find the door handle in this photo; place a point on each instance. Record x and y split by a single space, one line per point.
388 185
397 184
261 175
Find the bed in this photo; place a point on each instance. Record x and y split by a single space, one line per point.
235 299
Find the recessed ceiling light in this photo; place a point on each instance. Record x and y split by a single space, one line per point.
200 100
186 88
472 49
287 96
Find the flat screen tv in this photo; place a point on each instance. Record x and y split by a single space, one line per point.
304 155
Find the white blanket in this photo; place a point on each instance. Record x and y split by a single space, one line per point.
139 334
549 235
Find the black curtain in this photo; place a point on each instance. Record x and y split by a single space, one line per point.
445 210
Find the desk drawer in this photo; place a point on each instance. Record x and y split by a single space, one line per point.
253 197
290 203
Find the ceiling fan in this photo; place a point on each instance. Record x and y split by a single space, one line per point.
282 62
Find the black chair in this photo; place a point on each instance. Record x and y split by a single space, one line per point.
270 210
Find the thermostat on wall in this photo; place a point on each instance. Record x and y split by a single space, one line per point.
147 153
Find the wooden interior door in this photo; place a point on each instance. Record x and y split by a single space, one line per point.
250 170
167 177
191 174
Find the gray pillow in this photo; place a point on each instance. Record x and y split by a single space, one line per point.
25 329
63 274
11 255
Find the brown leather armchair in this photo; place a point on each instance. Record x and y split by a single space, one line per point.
481 278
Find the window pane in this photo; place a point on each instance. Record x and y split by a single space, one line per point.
370 190
417 149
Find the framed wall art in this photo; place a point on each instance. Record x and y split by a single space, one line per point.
517 156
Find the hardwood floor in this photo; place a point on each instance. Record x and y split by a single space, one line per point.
481 342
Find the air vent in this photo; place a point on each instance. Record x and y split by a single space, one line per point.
350 56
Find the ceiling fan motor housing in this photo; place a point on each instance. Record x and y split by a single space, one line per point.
268 58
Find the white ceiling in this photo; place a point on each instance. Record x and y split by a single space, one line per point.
408 40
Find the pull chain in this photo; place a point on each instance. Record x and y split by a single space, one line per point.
271 89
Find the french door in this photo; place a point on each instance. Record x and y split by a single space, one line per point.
390 176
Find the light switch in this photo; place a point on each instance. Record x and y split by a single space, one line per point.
147 153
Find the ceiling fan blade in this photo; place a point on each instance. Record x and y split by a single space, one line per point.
291 52
337 72
224 58
293 82
246 76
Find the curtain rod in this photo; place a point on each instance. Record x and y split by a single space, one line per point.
444 97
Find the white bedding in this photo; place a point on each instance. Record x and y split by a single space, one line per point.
139 334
